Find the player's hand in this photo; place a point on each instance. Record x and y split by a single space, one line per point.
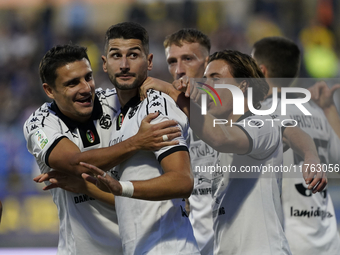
62 180
155 136
322 95
314 177
156 84
184 85
112 184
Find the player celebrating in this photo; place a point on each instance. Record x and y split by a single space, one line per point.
187 53
75 127
237 200
314 232
155 222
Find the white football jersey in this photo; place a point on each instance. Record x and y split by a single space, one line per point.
201 154
87 226
310 222
247 209
151 227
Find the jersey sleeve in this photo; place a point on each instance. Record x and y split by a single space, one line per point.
263 139
42 131
168 110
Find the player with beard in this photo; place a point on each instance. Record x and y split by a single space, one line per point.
76 127
151 187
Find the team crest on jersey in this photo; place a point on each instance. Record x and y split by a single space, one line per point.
105 121
41 138
133 111
90 136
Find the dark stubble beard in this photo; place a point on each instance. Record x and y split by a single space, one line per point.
136 84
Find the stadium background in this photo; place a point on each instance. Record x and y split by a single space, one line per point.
28 28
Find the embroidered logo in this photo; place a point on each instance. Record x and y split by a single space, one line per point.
105 121
90 136
41 138
120 120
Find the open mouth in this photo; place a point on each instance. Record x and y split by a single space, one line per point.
84 100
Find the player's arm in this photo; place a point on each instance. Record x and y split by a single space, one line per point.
322 95
302 144
176 182
65 156
177 95
221 138
76 184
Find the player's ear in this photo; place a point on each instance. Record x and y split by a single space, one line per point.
264 70
104 63
244 86
150 57
48 90
206 62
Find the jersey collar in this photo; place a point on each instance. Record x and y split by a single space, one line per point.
132 102
72 124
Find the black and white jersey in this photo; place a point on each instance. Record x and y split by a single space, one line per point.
310 222
151 227
87 226
247 209
201 154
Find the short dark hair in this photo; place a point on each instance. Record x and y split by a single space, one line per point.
59 56
281 57
243 66
128 30
189 35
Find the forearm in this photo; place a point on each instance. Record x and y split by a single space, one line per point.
300 142
181 100
94 192
176 182
109 157
220 137
65 157
167 186
333 118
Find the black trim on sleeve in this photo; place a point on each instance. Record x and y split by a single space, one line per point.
165 107
172 150
249 138
51 148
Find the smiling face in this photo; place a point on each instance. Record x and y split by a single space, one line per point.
190 59
126 63
73 90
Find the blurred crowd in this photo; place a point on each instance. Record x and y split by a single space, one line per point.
234 24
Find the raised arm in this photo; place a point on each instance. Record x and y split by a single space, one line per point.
170 89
